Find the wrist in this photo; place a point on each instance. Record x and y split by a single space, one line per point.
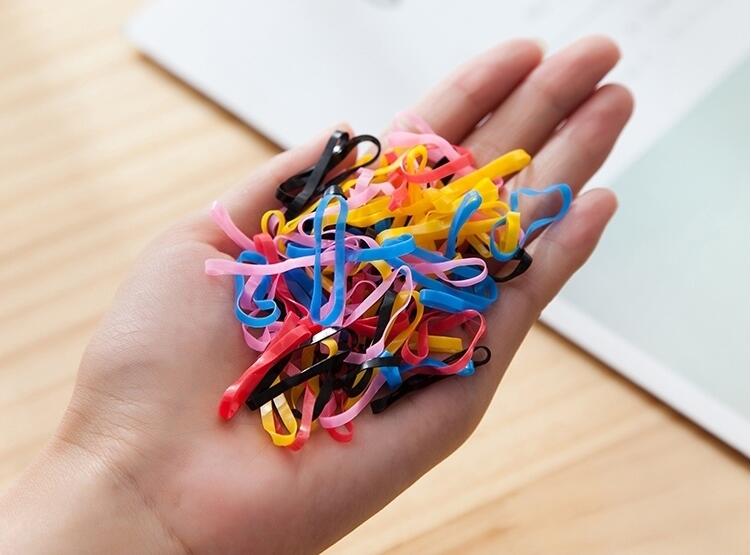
71 500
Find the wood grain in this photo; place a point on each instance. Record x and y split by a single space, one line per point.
99 148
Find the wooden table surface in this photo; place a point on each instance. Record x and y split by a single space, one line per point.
99 148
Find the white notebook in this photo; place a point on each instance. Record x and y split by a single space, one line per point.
648 307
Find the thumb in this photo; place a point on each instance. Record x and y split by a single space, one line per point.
247 201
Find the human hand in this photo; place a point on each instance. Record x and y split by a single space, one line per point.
141 461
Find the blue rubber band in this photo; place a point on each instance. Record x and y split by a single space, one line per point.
383 225
338 291
486 288
298 251
467 370
435 363
259 295
469 205
566 197
494 250
300 284
483 294
392 374
441 300
391 248
396 246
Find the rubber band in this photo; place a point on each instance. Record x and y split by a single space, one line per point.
371 281
468 206
335 305
419 381
566 197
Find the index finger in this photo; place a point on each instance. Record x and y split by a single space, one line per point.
455 106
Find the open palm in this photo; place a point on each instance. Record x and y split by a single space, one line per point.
144 407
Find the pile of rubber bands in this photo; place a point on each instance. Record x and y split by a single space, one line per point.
372 280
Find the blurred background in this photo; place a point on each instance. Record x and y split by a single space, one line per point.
627 436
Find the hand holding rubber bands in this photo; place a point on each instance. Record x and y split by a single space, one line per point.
372 280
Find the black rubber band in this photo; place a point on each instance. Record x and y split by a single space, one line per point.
524 262
410 384
266 390
354 142
268 379
260 394
260 397
325 390
420 381
347 383
440 163
384 314
296 192
483 361
355 390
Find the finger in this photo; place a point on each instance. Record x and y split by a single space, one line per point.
452 109
247 201
578 149
455 106
546 98
559 252
396 447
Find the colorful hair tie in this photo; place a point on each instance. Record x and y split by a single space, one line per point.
370 283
